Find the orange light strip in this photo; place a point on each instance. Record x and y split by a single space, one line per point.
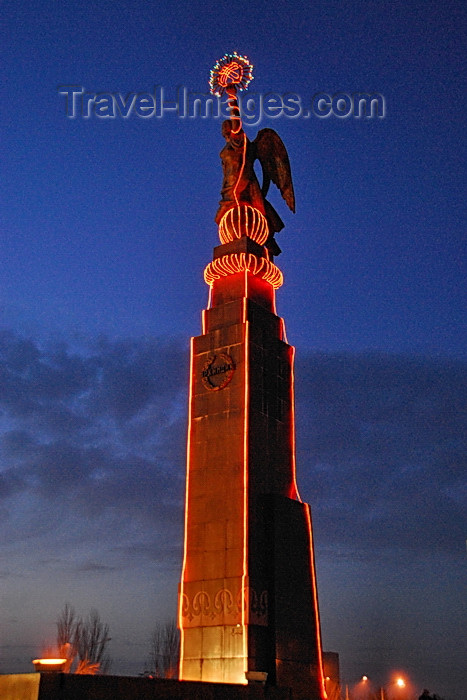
235 117
235 112
274 308
188 451
243 220
240 173
238 262
245 602
321 679
295 495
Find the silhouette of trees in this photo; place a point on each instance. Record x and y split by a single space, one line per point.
83 642
164 651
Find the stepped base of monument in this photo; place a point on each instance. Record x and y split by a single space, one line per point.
62 686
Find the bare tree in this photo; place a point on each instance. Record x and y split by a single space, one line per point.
92 637
66 636
164 651
83 642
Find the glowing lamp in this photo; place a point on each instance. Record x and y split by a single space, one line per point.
49 665
400 683
243 220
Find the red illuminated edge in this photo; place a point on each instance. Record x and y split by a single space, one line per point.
245 497
182 582
296 494
321 679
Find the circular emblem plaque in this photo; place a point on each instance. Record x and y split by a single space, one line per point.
217 371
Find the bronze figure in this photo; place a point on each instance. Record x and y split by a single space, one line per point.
240 184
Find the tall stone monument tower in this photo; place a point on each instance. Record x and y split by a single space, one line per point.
248 601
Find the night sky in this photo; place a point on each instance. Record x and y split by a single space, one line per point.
106 227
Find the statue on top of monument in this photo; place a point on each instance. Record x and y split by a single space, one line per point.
240 185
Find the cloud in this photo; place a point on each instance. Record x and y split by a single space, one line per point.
91 436
381 452
92 465
93 567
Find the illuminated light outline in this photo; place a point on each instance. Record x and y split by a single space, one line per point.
243 164
219 73
239 262
187 484
203 316
243 220
296 495
226 75
284 332
235 115
245 495
234 110
274 307
49 662
321 679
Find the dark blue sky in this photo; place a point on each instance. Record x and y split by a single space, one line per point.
106 226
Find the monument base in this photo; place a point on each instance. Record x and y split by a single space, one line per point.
66 686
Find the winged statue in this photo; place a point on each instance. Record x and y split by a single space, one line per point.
240 184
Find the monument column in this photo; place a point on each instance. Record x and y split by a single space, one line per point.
248 602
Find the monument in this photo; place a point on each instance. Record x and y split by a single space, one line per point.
248 606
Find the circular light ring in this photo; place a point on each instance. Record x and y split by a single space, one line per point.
243 220
231 69
240 262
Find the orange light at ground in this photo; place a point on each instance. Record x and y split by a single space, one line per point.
50 665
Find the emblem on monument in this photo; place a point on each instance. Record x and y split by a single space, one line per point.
217 371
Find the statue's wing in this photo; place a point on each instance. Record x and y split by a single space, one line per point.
274 160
